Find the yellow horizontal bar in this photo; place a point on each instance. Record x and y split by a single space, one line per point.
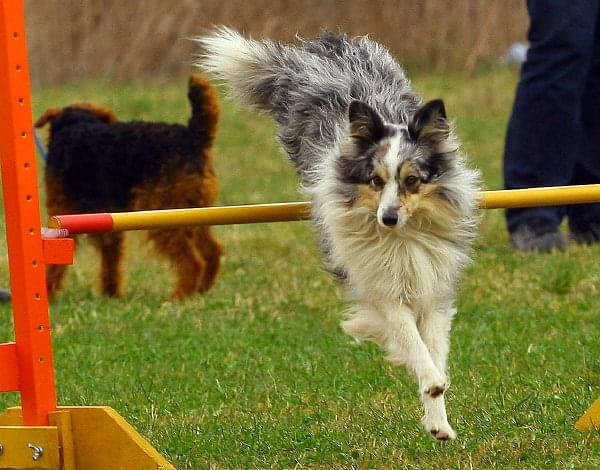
535 197
279 212
293 211
283 212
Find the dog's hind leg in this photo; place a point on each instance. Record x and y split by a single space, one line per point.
212 250
110 246
179 246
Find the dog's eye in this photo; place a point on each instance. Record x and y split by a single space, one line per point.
411 180
376 182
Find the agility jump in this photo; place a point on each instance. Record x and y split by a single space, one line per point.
40 434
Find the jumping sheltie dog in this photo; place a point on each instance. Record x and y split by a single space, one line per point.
394 204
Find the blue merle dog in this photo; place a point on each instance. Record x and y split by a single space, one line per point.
394 204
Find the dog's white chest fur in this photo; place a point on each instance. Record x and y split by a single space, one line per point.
402 265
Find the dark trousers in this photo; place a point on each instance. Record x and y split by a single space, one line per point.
553 136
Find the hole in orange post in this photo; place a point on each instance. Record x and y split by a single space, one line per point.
34 263
41 328
37 296
23 134
15 35
28 197
31 231
26 165
18 68
21 101
41 359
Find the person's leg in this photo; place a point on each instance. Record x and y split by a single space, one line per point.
584 219
544 132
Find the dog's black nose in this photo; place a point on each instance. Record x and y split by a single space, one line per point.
390 219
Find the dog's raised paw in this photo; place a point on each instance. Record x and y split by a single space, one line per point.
438 427
442 433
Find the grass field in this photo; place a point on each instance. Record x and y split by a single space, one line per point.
258 374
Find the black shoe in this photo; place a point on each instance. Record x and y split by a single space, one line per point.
4 295
537 235
586 235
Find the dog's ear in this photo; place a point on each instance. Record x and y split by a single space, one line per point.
365 122
429 124
48 116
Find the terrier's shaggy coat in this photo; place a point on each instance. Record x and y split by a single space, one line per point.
394 204
98 164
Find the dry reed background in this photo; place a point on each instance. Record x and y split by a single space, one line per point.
74 39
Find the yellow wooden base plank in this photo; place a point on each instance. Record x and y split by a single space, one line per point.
62 420
590 419
11 417
29 447
101 440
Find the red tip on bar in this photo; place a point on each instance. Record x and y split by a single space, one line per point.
83 223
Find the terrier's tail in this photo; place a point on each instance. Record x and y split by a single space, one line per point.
249 67
205 109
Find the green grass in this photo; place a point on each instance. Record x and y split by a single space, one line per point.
257 373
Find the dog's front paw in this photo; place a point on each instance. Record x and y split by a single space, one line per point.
443 434
439 428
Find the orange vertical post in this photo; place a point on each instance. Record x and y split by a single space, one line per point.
21 204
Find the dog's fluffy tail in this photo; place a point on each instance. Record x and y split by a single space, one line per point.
249 67
205 109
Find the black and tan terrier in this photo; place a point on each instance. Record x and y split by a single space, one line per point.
98 164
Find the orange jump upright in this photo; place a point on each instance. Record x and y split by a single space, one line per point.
40 435
27 363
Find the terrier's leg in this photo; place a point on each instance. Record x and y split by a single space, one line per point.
212 250
110 246
179 247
